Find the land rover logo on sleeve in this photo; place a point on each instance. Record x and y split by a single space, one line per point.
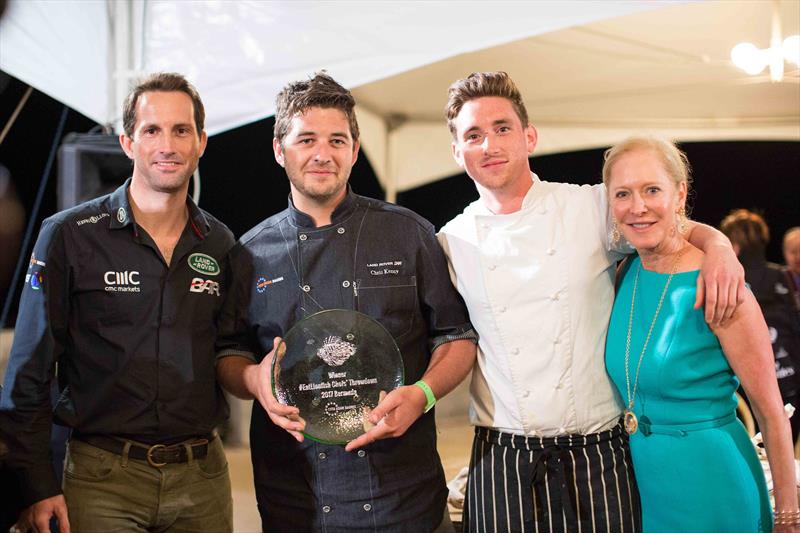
204 264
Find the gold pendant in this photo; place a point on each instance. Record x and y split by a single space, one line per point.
630 421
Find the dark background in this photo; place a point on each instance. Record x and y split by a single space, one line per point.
242 184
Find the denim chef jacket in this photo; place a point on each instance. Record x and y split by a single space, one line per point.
133 336
384 261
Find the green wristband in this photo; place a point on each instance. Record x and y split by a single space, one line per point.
428 395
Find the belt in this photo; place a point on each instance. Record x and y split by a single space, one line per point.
156 455
682 430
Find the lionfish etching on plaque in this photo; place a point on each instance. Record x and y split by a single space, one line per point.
335 351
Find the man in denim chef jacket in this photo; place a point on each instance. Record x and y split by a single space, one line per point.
316 255
122 293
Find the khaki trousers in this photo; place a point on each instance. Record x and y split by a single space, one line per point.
106 492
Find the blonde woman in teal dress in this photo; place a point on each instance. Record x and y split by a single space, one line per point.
695 466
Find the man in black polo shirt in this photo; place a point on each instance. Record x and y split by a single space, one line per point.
323 252
122 293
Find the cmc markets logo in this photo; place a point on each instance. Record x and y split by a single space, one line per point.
126 281
204 264
204 285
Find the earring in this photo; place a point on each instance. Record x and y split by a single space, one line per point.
683 221
615 236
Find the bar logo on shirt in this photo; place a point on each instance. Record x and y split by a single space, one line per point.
204 285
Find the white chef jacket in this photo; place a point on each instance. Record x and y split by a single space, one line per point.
539 286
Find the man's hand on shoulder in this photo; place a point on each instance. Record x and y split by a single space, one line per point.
38 515
392 416
720 285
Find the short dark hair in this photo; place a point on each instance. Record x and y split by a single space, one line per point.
319 90
746 229
478 85
162 82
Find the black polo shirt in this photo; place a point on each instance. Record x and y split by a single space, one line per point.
132 336
384 261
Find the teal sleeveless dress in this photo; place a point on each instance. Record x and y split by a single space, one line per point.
696 468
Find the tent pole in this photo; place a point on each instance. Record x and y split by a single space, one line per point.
393 122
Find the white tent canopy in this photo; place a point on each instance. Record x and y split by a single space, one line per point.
591 71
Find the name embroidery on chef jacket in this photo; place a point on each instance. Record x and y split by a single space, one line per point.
385 268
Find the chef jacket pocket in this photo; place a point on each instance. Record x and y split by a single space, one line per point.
391 300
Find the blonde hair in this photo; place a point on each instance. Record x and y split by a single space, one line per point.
674 160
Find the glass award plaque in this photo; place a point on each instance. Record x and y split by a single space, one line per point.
335 366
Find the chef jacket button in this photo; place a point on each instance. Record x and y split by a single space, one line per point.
502 309
367 507
340 230
515 351
306 288
323 455
326 508
526 393
492 267
345 284
554 297
361 453
551 251
303 236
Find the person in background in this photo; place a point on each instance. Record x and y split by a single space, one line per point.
791 254
750 235
695 465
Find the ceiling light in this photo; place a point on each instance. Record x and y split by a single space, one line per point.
791 49
749 58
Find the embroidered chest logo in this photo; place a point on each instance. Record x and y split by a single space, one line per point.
262 283
204 264
385 268
125 281
204 285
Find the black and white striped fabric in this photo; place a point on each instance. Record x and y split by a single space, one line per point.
569 483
